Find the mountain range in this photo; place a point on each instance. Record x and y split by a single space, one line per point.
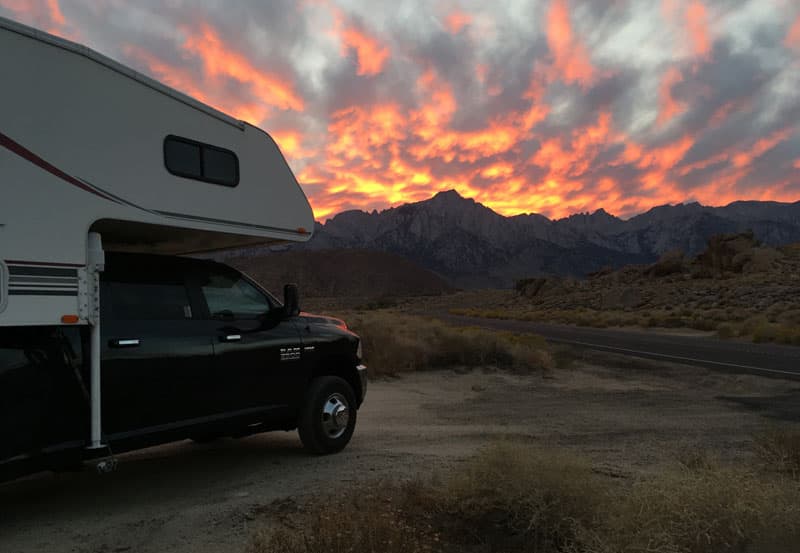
472 246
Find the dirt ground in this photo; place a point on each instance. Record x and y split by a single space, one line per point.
628 416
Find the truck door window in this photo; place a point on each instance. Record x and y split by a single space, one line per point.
228 295
149 301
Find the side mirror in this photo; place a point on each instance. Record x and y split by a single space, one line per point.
291 302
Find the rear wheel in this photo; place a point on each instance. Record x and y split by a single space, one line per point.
328 416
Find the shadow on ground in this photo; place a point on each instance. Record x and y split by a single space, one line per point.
151 475
785 407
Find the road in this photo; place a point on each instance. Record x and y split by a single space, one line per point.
701 350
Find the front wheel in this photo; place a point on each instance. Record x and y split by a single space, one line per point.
328 416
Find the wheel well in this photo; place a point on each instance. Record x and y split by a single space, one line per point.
342 367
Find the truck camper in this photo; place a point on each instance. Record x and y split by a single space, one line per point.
111 337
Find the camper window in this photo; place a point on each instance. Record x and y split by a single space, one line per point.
203 162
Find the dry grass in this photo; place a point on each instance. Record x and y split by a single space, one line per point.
729 323
524 498
381 518
395 342
719 509
513 498
779 449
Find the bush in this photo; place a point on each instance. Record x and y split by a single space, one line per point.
525 499
384 518
513 498
719 509
394 343
726 330
766 332
779 449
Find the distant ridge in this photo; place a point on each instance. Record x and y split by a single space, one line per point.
342 273
473 246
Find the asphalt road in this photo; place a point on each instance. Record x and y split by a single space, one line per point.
705 351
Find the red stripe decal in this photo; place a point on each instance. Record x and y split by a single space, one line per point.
25 153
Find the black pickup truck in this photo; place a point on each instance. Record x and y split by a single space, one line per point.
190 349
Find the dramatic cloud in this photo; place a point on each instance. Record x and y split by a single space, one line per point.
550 106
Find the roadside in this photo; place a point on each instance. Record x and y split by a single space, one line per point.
735 289
627 416
773 360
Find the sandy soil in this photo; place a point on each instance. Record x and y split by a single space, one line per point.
628 416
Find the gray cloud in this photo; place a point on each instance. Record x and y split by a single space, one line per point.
743 91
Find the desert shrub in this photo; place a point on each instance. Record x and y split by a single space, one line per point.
395 342
384 518
766 332
789 335
779 449
673 322
701 323
384 302
790 318
715 509
726 330
525 499
751 323
515 498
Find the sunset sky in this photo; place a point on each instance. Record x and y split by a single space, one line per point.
547 106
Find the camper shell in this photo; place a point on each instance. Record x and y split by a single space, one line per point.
96 158
89 145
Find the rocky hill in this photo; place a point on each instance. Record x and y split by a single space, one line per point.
736 286
472 246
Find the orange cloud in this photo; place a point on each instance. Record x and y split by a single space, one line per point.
46 14
401 148
793 36
180 79
220 61
743 159
55 12
697 25
291 143
371 54
457 20
571 60
670 107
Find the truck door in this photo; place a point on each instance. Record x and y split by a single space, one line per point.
256 350
157 356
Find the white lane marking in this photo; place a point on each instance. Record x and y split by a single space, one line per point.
640 352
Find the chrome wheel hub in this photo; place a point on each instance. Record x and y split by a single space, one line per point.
335 415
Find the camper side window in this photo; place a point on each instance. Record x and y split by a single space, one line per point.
203 162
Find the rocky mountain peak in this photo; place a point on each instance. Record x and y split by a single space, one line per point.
472 245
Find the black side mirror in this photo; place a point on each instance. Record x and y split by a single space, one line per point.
291 301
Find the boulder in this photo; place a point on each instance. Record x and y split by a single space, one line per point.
723 249
670 263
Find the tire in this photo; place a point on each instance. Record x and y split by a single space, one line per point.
322 426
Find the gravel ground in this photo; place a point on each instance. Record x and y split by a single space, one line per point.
628 416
